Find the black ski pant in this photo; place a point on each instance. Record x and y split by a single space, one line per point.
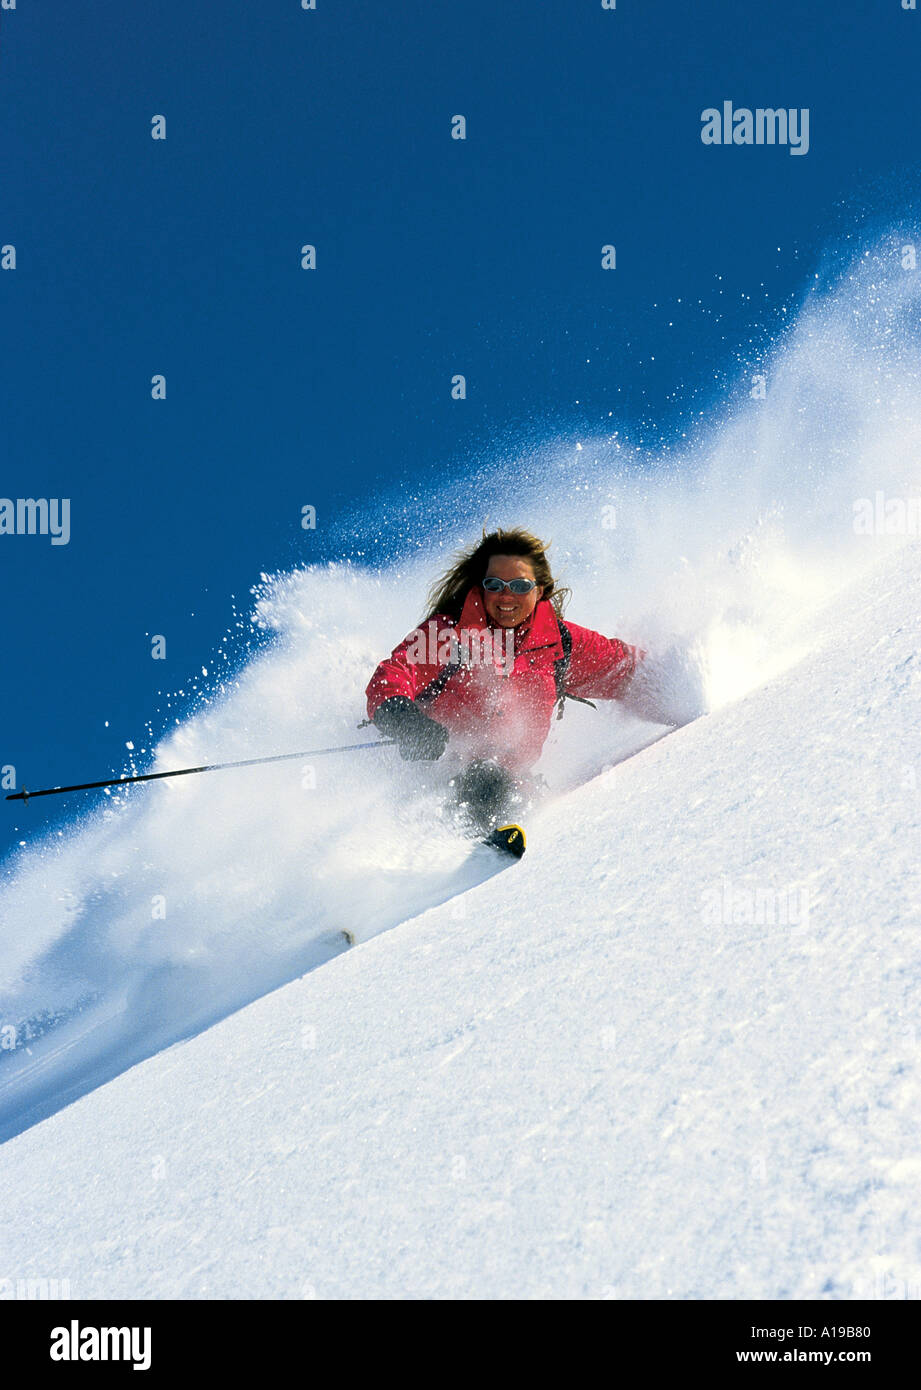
486 795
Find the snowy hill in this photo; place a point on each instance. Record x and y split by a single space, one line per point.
672 1053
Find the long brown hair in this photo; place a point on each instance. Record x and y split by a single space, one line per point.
448 592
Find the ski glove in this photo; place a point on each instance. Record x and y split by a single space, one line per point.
419 736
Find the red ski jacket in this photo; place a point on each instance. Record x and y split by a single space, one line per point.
495 688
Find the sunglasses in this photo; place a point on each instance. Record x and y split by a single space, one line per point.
514 586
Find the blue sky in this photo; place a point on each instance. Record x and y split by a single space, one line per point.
332 387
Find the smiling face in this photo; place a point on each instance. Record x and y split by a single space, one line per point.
507 609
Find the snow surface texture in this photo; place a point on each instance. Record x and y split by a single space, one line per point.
674 1052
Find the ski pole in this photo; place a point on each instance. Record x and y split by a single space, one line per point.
26 796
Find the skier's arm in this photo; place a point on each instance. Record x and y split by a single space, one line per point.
390 695
396 676
664 687
600 668
413 665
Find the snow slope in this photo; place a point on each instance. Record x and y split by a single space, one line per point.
672 1053
160 910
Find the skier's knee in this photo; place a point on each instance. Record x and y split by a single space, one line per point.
486 791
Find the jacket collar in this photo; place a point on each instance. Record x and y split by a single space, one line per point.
541 630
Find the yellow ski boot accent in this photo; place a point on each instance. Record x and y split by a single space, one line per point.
510 838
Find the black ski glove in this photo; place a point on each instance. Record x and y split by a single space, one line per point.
419 736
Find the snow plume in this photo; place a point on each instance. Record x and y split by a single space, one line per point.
178 901
715 549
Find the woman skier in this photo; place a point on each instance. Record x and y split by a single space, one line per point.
487 668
